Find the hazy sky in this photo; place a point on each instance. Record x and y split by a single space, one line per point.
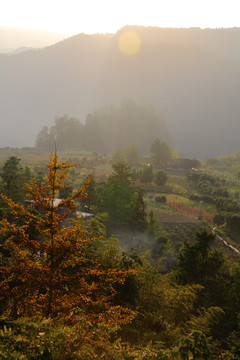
92 16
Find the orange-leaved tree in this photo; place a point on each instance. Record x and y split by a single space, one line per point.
49 268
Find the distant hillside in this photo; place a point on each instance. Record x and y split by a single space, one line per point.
14 38
192 76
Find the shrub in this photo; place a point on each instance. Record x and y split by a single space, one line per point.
161 199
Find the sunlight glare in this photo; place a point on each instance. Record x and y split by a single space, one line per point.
129 43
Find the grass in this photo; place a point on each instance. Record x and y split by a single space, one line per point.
191 211
167 215
178 199
180 205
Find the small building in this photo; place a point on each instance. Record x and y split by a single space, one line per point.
75 213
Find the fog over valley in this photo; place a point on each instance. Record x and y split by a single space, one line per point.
191 76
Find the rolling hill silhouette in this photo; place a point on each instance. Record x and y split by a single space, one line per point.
192 76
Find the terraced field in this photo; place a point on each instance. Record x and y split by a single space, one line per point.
171 216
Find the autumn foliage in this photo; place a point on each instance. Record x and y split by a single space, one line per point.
50 268
68 292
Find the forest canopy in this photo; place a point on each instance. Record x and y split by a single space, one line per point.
107 128
69 289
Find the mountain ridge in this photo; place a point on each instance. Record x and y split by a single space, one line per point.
194 87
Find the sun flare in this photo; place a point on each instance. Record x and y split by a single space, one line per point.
129 43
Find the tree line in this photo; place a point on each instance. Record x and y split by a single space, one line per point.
107 129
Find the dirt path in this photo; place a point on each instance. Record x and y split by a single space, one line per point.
224 241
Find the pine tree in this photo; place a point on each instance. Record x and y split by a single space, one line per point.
199 264
55 273
13 177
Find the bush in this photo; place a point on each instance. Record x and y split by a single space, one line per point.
168 189
219 219
195 197
160 178
233 221
161 199
208 198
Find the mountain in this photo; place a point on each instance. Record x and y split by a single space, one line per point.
192 76
14 38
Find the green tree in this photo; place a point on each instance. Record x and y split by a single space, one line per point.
167 310
160 178
189 163
138 219
175 157
194 347
132 155
44 139
118 155
198 264
147 174
118 196
128 123
121 199
108 128
160 153
66 132
13 178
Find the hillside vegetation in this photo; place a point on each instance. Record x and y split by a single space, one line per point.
72 290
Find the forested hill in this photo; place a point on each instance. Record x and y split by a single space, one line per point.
192 76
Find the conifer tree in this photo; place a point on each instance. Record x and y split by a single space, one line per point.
13 177
55 273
